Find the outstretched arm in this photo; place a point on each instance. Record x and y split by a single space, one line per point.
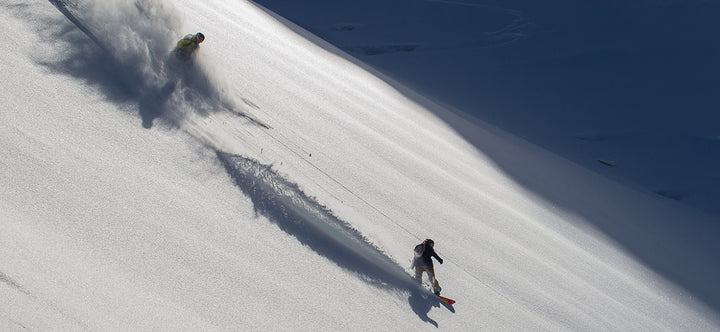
434 254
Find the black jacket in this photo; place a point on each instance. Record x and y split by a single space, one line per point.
425 258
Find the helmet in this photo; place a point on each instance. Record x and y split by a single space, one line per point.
200 37
430 242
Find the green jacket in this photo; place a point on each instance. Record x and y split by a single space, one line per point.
188 44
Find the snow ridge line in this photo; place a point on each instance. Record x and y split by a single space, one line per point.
336 181
9 281
64 7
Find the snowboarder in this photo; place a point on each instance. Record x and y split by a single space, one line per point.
187 46
424 253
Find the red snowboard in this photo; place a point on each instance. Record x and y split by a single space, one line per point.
445 299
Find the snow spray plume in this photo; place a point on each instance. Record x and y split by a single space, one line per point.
315 226
136 34
128 55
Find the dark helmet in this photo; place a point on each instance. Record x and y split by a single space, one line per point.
430 242
200 37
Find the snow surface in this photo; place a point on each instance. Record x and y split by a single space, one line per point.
276 185
630 82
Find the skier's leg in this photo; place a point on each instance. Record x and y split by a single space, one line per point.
418 272
436 284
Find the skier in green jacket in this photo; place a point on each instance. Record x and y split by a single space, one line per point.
187 46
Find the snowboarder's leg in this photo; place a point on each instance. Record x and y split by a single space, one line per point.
431 274
436 284
418 272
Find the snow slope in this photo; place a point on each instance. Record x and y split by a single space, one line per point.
632 83
275 185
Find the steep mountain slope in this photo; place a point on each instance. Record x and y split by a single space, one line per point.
630 83
275 185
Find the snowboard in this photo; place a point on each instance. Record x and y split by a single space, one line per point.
445 299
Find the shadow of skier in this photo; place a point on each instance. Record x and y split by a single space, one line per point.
153 105
421 302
